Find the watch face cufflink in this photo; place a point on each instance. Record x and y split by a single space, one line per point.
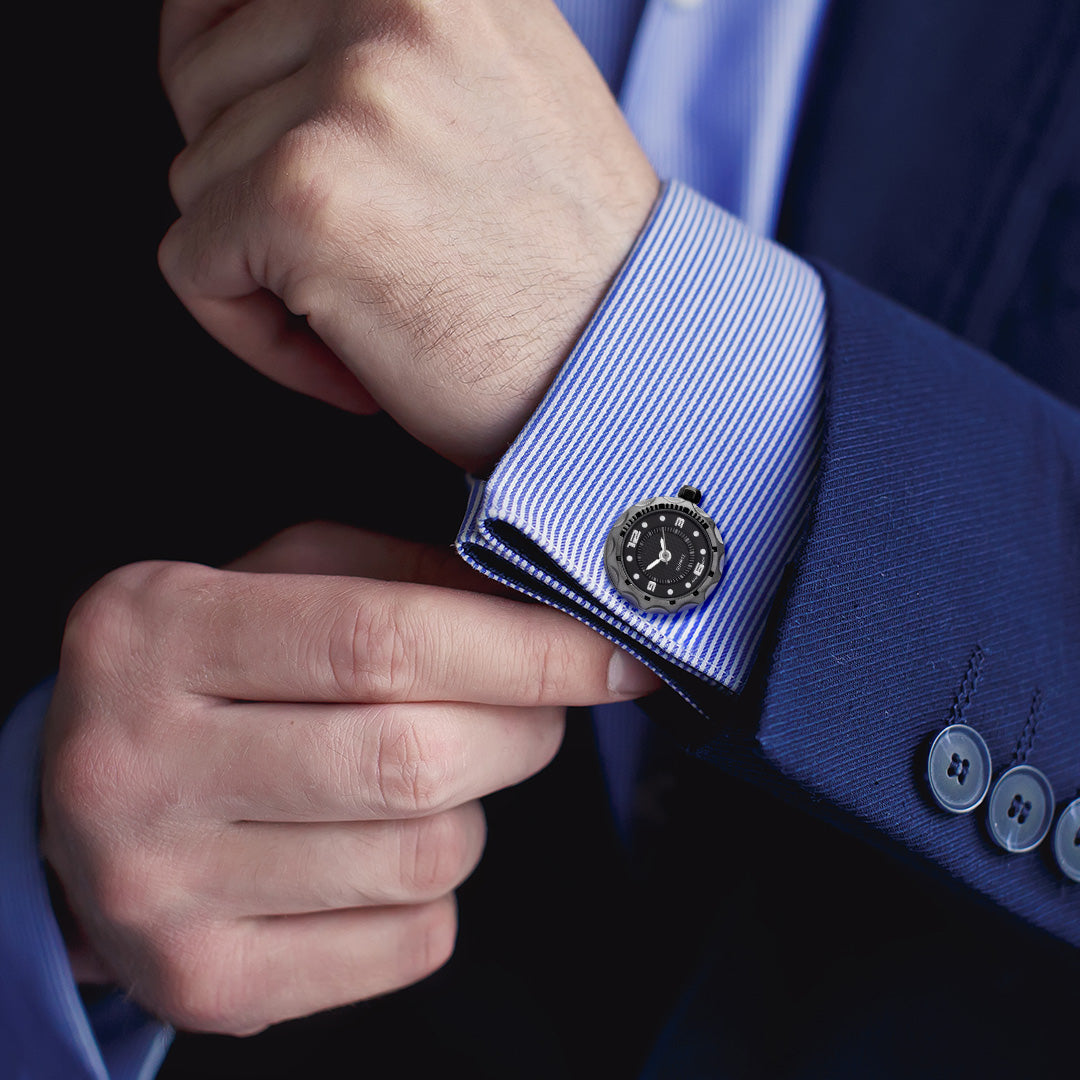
665 554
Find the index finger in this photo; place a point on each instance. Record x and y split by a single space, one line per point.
289 637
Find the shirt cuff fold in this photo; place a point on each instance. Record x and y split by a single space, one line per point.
703 366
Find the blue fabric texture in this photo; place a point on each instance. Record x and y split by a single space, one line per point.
946 526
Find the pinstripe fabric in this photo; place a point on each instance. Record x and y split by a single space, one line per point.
713 95
702 366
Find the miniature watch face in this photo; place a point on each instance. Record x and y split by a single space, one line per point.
664 554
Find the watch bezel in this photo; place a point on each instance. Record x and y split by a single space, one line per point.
641 598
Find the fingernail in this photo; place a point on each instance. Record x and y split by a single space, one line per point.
627 677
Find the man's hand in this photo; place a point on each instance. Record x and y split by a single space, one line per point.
444 190
260 788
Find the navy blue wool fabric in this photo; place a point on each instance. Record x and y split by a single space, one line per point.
946 521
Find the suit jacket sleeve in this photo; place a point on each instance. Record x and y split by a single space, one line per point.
939 581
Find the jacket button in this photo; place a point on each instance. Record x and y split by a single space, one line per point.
1067 841
958 769
1021 808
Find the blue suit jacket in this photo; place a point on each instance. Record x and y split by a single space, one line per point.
941 167
795 905
938 164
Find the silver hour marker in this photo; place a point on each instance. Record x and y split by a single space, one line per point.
698 568
651 586
635 536
680 522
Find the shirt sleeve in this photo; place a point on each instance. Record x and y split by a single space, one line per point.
46 1030
702 367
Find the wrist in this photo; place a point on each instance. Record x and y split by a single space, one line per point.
509 392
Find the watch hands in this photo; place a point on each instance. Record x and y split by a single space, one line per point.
663 557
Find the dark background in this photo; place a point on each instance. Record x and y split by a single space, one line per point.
130 433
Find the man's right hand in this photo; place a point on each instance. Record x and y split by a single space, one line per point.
260 788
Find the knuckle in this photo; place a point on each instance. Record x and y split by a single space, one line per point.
125 620
431 943
126 895
370 652
436 855
117 660
189 91
302 546
302 185
358 85
200 986
297 179
382 49
170 254
103 619
553 664
181 180
414 769
160 584
85 782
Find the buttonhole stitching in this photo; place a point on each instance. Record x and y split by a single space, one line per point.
1026 742
967 685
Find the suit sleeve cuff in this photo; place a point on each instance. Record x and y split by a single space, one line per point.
703 366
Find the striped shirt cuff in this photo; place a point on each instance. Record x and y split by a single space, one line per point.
703 366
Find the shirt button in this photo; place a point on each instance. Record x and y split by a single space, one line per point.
1021 808
958 769
1067 841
